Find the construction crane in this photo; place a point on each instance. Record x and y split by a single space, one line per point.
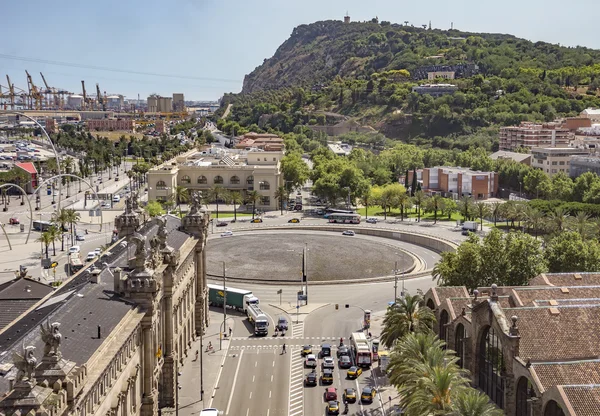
13 95
50 93
101 99
35 96
86 100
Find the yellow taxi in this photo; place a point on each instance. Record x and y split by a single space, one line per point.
306 349
256 220
333 407
368 395
350 395
294 220
327 376
354 372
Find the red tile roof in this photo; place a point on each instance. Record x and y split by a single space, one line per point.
27 167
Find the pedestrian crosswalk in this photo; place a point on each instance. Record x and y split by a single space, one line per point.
296 404
298 330
293 337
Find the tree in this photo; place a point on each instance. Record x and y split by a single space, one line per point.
465 207
403 201
495 211
569 252
419 198
46 239
558 219
252 197
154 209
535 220
472 402
72 217
61 219
236 199
407 315
181 194
434 204
295 170
581 223
449 207
414 185
536 180
55 234
281 194
583 184
217 193
483 210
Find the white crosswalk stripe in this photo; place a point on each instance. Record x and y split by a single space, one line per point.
296 405
298 330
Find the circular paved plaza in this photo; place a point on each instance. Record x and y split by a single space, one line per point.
279 256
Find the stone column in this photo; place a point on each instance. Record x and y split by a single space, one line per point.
510 394
199 307
148 402
168 369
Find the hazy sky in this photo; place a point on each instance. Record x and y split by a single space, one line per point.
205 47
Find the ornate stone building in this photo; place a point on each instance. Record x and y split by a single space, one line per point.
534 350
127 320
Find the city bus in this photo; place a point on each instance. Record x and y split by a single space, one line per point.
329 211
75 263
344 218
361 350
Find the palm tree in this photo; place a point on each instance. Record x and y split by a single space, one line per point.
182 194
61 219
474 403
55 234
403 202
534 219
252 197
46 239
72 217
582 224
236 199
281 194
217 192
435 204
419 198
483 210
67 165
407 315
465 207
365 200
437 389
558 219
496 211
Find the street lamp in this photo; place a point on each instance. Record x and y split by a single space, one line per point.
396 282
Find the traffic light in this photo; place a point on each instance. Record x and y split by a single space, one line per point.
347 306
337 306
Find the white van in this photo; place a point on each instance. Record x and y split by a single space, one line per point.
209 412
116 198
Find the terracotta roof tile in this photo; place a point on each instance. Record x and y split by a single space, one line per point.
566 279
451 292
532 296
585 400
568 373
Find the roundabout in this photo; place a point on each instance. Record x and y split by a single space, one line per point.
266 255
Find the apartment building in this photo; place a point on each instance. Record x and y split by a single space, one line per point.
554 159
530 135
456 182
110 124
234 170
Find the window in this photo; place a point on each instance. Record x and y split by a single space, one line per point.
553 170
274 159
491 366
218 179
553 409
202 180
161 185
525 393
561 163
444 319
264 186
459 344
250 180
554 163
265 159
265 200
234 180
186 179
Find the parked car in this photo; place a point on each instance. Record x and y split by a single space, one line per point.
227 234
348 232
98 251
371 220
13 221
222 224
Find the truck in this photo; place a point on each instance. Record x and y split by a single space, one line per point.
469 226
259 318
238 299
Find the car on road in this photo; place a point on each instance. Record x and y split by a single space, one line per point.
91 256
327 376
330 394
106 205
80 236
311 379
371 220
116 198
227 234
368 394
294 220
333 407
328 363
348 232
353 372
13 221
310 361
282 324
209 412
349 395
343 350
320 212
256 220
344 362
222 224
325 350
74 249
306 349
98 251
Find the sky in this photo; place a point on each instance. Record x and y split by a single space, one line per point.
204 48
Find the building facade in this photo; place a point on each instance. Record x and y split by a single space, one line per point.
530 135
531 349
157 104
241 171
178 102
127 320
581 164
591 113
553 160
452 182
435 90
109 124
440 74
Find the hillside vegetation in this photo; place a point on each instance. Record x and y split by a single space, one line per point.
366 71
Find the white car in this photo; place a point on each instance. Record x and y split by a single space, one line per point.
209 412
91 256
310 361
328 363
227 234
348 232
74 249
372 220
98 251
79 236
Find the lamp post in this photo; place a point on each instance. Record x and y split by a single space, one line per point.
224 310
305 270
396 282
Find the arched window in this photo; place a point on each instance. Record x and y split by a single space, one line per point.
553 409
430 304
218 179
202 180
186 179
459 344
234 180
525 393
161 185
264 186
250 180
444 319
491 366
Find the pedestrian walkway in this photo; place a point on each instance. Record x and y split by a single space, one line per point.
296 405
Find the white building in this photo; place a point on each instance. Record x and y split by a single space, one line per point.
553 160
591 113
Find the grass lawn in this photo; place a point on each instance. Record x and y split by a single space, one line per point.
116 135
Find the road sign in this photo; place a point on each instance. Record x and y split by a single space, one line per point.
297 306
280 291
302 297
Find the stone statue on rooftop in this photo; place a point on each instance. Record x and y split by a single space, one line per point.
25 363
195 203
51 337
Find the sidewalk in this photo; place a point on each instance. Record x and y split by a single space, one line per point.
299 314
190 379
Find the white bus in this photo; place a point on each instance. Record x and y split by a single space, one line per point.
361 350
344 218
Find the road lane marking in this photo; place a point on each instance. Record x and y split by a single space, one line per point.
253 378
247 411
219 375
269 394
255 364
250 395
237 370
273 363
271 382
268 411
